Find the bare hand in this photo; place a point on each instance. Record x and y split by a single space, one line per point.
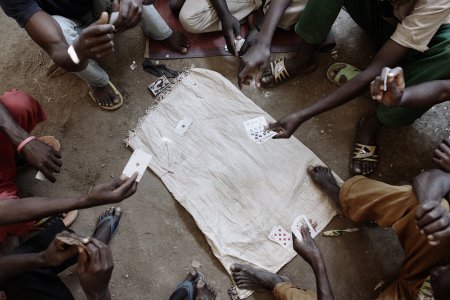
42 157
130 14
113 192
58 252
307 248
395 84
95 266
231 30
255 60
433 221
442 155
285 127
96 40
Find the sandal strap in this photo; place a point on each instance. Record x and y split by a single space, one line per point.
279 71
364 151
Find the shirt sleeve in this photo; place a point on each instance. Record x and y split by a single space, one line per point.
20 10
418 28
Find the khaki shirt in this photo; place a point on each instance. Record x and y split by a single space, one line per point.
420 20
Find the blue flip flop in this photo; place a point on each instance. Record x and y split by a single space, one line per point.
190 285
108 217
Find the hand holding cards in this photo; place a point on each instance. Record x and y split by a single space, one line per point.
297 225
138 163
256 130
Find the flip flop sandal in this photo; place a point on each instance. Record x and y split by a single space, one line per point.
70 217
108 217
365 153
340 73
279 72
190 285
116 91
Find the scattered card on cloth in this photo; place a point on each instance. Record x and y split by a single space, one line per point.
256 130
296 227
183 126
281 236
159 85
138 162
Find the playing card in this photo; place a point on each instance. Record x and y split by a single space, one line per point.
113 17
297 225
41 176
70 241
183 126
138 162
281 236
159 85
237 44
256 130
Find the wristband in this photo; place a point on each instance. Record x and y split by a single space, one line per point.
24 142
73 55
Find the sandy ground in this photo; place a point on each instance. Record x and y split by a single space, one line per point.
158 239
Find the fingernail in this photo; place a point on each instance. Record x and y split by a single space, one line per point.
430 237
422 232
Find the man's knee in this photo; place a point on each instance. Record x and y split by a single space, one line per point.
192 20
23 107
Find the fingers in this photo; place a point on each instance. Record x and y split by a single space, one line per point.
127 188
376 89
243 75
398 78
259 74
237 30
130 14
424 208
229 39
83 261
103 19
105 256
305 232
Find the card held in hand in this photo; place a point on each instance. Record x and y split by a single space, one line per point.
256 130
297 225
281 236
138 162
70 241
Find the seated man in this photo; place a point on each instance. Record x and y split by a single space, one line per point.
418 214
32 271
67 31
199 16
247 277
420 43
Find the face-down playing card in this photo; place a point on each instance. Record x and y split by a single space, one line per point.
138 162
256 130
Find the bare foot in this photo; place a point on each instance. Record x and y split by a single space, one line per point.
366 134
325 181
204 291
103 233
302 63
177 42
176 6
250 278
105 96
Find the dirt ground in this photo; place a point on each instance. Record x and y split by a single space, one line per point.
158 239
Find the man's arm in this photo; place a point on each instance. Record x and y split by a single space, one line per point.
231 27
431 185
309 251
389 55
94 41
38 154
422 95
27 209
256 57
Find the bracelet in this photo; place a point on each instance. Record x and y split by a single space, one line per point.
24 142
73 55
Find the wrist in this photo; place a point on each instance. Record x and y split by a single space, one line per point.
24 142
317 264
41 259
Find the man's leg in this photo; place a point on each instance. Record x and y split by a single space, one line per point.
247 277
27 112
93 75
198 16
157 29
291 15
362 199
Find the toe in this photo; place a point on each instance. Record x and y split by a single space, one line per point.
356 167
